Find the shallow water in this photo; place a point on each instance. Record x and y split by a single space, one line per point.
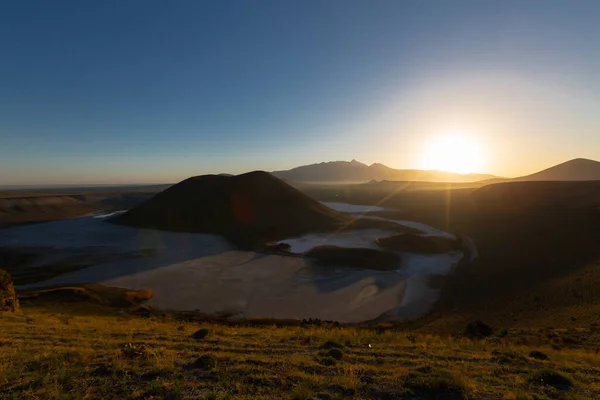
202 272
351 208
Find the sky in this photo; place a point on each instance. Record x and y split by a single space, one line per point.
151 91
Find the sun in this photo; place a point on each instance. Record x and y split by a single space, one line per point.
453 153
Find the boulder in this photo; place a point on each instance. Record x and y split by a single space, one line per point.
201 334
478 329
538 355
8 296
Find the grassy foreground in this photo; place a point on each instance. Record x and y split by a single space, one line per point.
92 352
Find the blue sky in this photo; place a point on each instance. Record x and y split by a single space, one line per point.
156 91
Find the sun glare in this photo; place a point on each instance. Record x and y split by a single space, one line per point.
453 153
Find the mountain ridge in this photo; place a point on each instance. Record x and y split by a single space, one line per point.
358 172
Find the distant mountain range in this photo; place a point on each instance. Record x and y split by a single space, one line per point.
579 169
354 171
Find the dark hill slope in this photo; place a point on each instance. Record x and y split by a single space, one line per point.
247 209
18 209
579 169
528 234
534 197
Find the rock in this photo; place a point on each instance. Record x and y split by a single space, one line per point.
102 370
206 362
548 377
151 376
478 329
8 296
342 390
538 355
325 396
200 334
334 353
327 361
385 393
332 344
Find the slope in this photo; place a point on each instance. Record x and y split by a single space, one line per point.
18 209
73 350
579 169
530 236
536 242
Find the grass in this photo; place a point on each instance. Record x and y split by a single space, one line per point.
435 382
80 351
58 351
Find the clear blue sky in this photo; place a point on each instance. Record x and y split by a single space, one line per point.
155 91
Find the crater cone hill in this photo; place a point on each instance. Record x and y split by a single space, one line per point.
249 210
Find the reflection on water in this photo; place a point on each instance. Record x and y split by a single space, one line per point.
351 208
107 214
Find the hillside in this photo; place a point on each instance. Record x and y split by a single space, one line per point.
579 169
247 209
357 172
530 236
535 282
18 209
42 205
72 350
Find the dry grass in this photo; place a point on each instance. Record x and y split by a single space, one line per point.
79 350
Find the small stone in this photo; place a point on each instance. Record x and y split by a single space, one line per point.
205 362
324 396
340 389
538 355
200 334
478 329
334 353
